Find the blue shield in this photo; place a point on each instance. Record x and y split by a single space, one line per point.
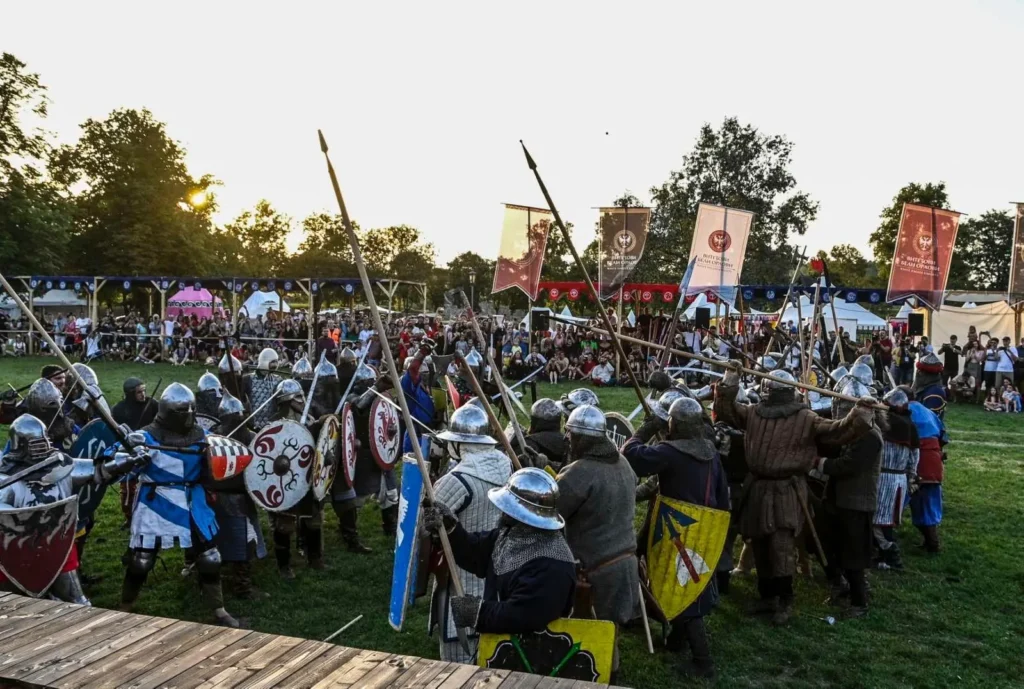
403 578
91 443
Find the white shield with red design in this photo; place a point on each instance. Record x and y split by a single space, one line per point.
35 543
206 422
326 465
384 437
349 444
226 457
281 470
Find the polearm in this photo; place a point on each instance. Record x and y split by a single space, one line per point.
609 328
832 305
312 387
673 325
351 381
814 332
741 369
357 258
491 417
252 416
103 411
789 293
800 332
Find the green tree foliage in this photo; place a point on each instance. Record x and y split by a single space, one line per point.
736 166
324 250
258 236
981 258
847 267
883 239
134 213
397 248
458 275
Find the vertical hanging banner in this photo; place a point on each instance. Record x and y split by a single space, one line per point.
924 251
524 237
623 236
717 250
1016 288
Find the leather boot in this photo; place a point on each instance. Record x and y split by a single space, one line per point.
931 539
314 548
723 579
701 664
348 521
783 612
283 554
389 520
130 589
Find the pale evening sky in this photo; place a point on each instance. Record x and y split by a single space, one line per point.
423 103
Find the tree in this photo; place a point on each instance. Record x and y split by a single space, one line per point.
847 267
981 257
739 167
883 239
324 251
458 275
20 91
258 237
387 249
140 211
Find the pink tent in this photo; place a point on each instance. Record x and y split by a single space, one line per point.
194 302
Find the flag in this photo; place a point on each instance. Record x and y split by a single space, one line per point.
622 238
924 251
524 237
683 547
1016 289
717 250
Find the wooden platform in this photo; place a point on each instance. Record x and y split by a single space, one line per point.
50 644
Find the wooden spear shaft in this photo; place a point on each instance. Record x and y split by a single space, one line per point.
495 424
610 329
814 332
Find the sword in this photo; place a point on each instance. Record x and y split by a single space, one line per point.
510 388
254 413
352 380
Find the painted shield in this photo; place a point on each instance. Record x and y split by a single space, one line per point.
619 429
403 574
206 421
36 543
384 438
226 457
570 649
281 469
326 465
91 443
453 393
683 547
349 444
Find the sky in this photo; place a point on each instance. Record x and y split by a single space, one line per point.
423 103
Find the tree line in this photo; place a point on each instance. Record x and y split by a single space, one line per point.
121 201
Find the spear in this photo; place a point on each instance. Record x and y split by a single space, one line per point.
491 418
785 302
609 328
357 257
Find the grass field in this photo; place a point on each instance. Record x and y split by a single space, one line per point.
952 620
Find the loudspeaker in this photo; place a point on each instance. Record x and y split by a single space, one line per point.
915 324
703 319
538 320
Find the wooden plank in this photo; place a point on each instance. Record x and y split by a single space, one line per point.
13 601
277 674
421 674
333 658
227 657
177 664
387 672
351 672
113 624
45 637
53 673
5 594
459 676
247 667
33 615
557 683
486 679
521 680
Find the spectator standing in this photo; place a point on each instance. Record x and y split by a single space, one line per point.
1006 357
951 354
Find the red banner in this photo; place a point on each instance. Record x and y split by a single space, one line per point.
524 237
924 250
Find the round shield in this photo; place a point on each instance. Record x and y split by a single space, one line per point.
618 428
384 436
326 466
206 422
90 443
348 444
281 469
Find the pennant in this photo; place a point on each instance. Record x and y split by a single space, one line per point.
1016 288
524 238
924 251
623 236
718 248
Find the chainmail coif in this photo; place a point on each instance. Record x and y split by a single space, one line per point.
520 544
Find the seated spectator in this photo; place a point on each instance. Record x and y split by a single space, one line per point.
603 374
575 372
535 359
1011 398
148 354
558 367
179 357
962 388
993 401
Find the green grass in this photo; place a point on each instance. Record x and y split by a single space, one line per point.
956 619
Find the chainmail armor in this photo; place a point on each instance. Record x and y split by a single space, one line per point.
520 544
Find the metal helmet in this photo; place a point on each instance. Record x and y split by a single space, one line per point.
347 356
530 496
28 441
930 361
177 408
227 365
779 380
43 399
665 402
230 407
287 391
266 359
86 373
301 369
863 373
659 381
325 369
897 399
854 388
685 418
587 420
768 362
839 373
469 424
865 359
91 395
576 398
363 378
208 383
474 360
545 409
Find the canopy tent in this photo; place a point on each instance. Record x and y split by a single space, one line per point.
702 301
195 302
59 297
997 319
844 312
260 303
901 315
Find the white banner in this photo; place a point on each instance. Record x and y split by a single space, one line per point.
717 251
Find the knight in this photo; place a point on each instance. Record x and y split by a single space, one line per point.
229 372
209 390
327 391
259 385
415 386
544 436
302 371
928 389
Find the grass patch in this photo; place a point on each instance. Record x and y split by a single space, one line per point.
956 619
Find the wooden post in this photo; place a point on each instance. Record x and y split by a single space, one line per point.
423 286
800 329
163 317
310 323
618 328
31 307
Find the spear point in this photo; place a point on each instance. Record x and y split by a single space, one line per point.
529 158
323 141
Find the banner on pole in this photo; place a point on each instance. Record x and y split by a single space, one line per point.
623 234
1016 288
524 238
924 251
717 250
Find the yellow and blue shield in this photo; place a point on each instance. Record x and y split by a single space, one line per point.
683 547
568 649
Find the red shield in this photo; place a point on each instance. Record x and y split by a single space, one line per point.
453 393
349 444
36 543
225 457
280 472
384 436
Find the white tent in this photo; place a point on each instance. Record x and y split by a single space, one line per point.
844 312
901 315
701 301
996 319
259 303
59 297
